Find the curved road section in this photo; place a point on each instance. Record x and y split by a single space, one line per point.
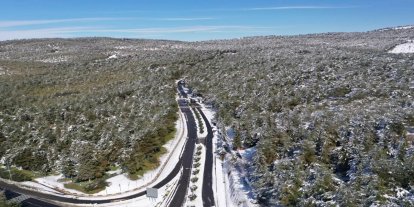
185 162
187 158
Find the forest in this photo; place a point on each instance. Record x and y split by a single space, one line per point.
329 114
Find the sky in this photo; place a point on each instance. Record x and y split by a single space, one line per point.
195 20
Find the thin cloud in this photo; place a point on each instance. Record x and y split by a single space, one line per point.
67 32
192 29
294 8
185 19
41 33
147 32
4 24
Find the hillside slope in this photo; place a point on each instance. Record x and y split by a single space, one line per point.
329 114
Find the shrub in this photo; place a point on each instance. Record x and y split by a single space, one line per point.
193 188
192 196
194 179
196 171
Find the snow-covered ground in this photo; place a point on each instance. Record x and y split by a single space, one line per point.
230 132
2 71
121 185
247 154
199 200
165 194
238 186
403 48
403 27
397 28
233 187
114 56
220 185
42 188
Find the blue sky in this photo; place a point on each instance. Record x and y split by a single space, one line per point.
192 20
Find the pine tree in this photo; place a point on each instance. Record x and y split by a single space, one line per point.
237 144
69 169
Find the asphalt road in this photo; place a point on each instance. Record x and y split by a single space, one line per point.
207 191
30 202
185 161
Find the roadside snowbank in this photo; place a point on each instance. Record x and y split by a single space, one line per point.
232 188
220 185
40 187
165 194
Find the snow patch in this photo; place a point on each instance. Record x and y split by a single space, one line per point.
403 48
403 27
2 71
54 59
401 192
231 187
397 28
114 56
230 132
40 187
248 154
151 49
165 194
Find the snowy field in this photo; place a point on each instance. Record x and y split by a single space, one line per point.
403 48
